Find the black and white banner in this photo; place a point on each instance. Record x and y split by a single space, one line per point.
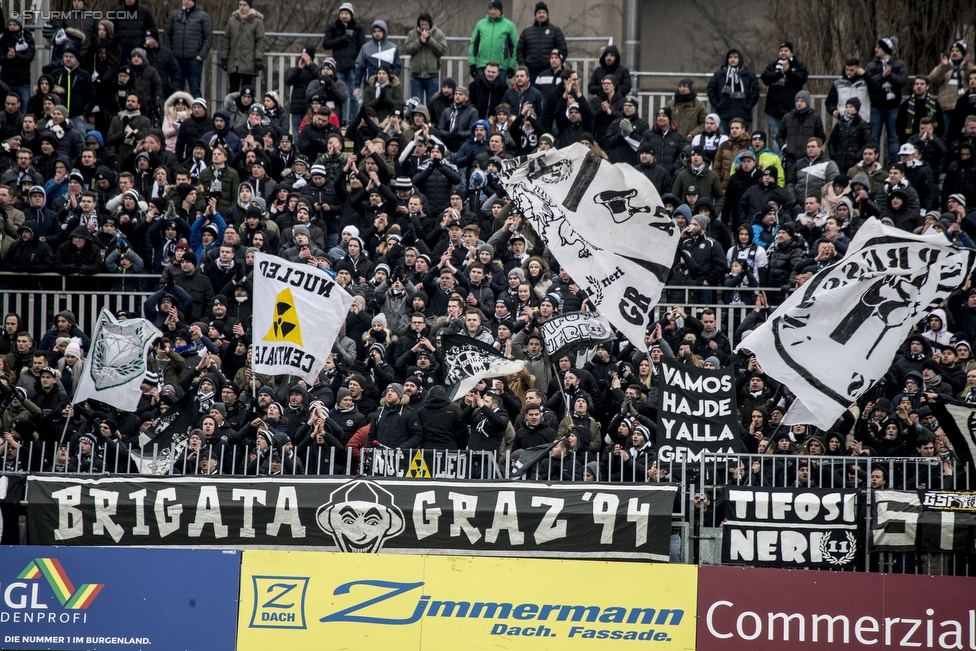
959 424
166 439
604 223
833 339
790 527
696 412
469 361
574 332
924 521
357 515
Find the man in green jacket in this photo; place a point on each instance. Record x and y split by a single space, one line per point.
494 39
426 45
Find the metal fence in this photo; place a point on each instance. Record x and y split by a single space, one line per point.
48 294
696 516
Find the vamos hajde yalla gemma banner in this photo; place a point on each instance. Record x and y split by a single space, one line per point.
297 600
695 412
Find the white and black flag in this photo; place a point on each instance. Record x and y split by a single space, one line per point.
927 522
895 521
166 438
574 332
959 424
696 412
604 223
836 336
468 361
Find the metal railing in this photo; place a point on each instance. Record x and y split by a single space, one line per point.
696 516
87 295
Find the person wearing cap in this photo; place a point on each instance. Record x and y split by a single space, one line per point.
299 77
745 174
163 60
494 39
189 33
344 37
707 254
70 140
920 104
848 136
919 176
16 71
797 128
329 87
665 142
687 111
733 90
28 254
783 256
949 78
538 41
425 45
573 116
784 78
242 46
697 174
889 75
193 129
47 226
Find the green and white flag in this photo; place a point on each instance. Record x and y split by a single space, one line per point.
116 363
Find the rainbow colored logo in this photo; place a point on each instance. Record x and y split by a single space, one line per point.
50 569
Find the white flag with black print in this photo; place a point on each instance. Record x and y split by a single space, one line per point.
604 223
574 332
298 312
468 361
116 363
837 335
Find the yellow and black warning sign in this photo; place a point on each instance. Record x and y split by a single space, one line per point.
284 323
418 466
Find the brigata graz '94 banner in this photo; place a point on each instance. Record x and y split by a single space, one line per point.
295 600
791 527
357 515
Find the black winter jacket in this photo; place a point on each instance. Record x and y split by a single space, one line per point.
345 40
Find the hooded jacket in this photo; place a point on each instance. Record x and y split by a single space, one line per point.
442 424
396 426
733 92
796 129
243 42
624 82
847 139
425 58
72 260
844 89
373 53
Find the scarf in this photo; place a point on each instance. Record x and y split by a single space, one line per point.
956 77
206 400
734 87
970 397
197 169
910 106
889 93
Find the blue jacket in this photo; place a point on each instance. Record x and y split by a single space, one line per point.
196 234
367 63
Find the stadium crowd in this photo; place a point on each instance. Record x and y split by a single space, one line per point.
391 186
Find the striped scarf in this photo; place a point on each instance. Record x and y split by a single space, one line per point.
930 110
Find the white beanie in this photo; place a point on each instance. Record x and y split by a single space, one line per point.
74 347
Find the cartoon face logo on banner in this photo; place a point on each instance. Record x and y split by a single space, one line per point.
360 516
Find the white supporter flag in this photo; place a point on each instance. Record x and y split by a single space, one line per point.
836 336
605 224
298 312
116 363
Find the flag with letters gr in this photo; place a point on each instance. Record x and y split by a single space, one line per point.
469 361
116 363
834 337
573 332
959 424
604 223
298 311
